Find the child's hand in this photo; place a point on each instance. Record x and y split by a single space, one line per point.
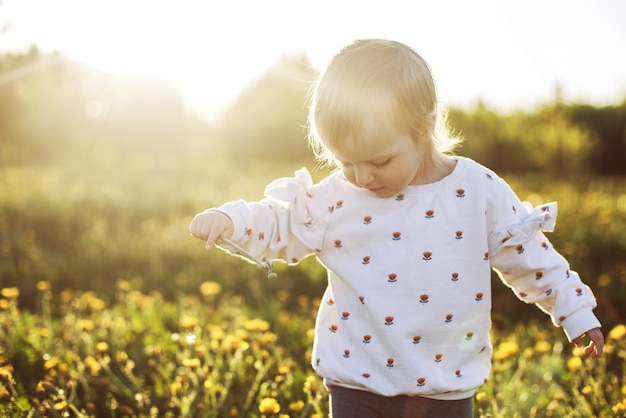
208 226
594 348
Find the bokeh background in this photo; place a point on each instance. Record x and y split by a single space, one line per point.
119 120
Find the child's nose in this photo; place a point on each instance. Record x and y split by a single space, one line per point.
363 176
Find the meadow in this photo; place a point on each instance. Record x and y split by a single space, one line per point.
109 308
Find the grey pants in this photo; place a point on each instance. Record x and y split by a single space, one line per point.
350 403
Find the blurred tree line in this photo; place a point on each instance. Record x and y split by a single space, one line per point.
52 108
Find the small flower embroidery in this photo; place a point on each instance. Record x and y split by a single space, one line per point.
455 277
346 353
400 197
469 336
389 320
567 274
459 235
479 296
345 316
514 209
458 373
417 339
396 236
331 209
421 381
489 176
538 275
261 236
331 302
449 318
562 318
366 375
438 358
337 243
486 256
339 204
460 192
579 291
317 361
367 339
362 299
333 328
519 249
248 231
430 214
390 362
392 278
366 260
424 299
367 220
548 292
427 256
545 209
544 245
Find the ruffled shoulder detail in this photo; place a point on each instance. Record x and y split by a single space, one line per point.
289 189
539 219
295 194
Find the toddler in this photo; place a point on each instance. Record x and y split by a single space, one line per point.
409 234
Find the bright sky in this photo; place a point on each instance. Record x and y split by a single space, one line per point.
510 53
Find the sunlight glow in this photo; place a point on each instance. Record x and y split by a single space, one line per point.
507 53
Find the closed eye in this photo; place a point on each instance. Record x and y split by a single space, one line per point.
382 163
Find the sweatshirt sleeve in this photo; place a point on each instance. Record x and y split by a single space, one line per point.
285 225
527 262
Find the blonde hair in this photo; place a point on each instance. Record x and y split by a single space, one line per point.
381 79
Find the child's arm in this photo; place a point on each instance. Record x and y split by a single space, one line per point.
288 224
527 262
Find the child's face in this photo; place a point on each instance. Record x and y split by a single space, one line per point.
383 161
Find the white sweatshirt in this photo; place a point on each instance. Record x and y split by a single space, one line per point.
408 303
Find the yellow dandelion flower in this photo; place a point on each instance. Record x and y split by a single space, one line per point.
268 338
6 372
123 285
4 305
96 303
176 388
297 406
543 347
481 396
618 332
256 325
102 347
210 288
188 321
50 363
587 390
310 385
269 406
574 363
506 350
619 408
85 324
191 362
60 405
10 292
92 366
43 285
